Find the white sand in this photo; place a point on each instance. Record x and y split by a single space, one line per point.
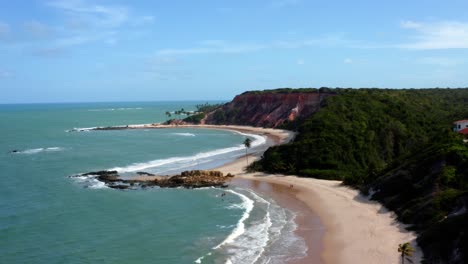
357 230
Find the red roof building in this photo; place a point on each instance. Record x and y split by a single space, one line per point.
460 125
464 131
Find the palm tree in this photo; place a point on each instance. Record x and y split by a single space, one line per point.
247 144
406 251
168 114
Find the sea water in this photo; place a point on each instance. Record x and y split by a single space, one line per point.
47 217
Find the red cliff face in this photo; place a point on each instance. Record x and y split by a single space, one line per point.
266 109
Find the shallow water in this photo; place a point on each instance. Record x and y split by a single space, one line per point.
46 217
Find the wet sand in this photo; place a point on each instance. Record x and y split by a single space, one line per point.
338 224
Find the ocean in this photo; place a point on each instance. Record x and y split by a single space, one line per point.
48 217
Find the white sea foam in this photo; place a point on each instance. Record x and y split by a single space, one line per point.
248 205
258 140
193 160
90 181
96 184
81 129
115 109
39 150
184 134
248 246
265 238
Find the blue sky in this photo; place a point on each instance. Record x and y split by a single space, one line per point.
90 50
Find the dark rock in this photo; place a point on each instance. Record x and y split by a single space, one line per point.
142 173
100 173
120 187
187 179
109 178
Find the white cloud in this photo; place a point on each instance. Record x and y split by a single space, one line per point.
347 61
220 46
85 22
91 14
440 35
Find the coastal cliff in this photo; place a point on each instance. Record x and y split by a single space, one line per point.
398 147
271 108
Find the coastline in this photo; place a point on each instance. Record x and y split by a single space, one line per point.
356 228
350 227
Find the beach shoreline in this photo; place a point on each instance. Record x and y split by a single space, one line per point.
356 229
351 228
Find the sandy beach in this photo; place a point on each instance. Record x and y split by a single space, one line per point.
357 230
338 224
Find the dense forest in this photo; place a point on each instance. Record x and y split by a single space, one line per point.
398 146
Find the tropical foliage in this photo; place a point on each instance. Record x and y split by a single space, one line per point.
406 251
397 145
247 145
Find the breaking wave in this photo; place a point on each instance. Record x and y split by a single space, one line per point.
37 150
263 234
187 161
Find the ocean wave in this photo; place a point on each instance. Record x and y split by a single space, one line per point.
258 139
248 205
184 134
81 129
90 181
187 161
115 109
247 246
258 237
239 229
37 150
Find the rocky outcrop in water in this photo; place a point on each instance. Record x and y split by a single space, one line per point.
187 179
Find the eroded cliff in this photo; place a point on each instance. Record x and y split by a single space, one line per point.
267 109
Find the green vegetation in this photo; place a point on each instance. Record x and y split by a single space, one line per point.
247 144
195 119
206 107
361 133
292 90
397 145
197 116
406 251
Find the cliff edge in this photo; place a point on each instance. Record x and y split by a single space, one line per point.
270 108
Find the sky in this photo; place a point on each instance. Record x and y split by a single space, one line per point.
151 50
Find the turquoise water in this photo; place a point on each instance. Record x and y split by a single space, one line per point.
47 217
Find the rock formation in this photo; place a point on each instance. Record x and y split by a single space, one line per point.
187 179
